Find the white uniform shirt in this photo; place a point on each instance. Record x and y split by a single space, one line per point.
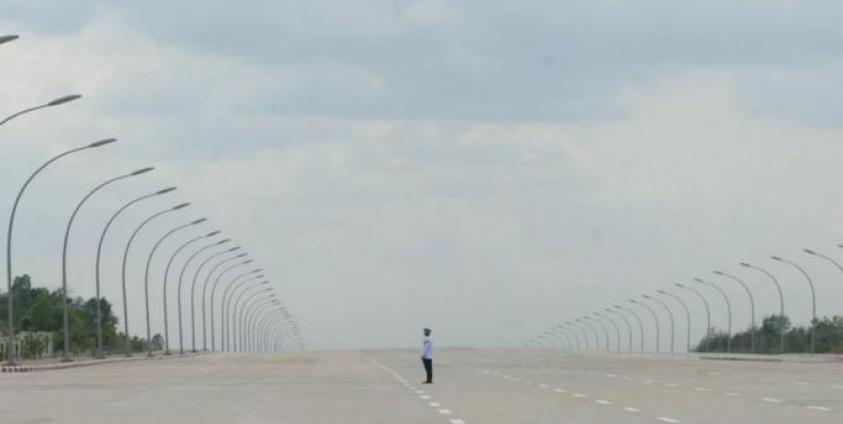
427 348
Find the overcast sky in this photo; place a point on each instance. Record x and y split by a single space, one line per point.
485 168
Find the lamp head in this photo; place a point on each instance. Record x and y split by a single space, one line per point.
809 251
679 285
142 170
246 262
199 221
8 38
165 191
746 265
776 258
718 273
64 99
181 206
258 270
699 280
645 296
240 255
633 301
661 292
102 142
213 233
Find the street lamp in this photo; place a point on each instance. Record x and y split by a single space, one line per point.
100 353
225 302
213 293
670 315
813 298
781 301
125 260
178 296
655 319
637 319
232 286
584 321
256 312
687 316
617 330
66 352
566 326
559 329
181 280
205 288
704 301
575 324
56 102
751 307
728 310
628 325
193 291
235 318
10 346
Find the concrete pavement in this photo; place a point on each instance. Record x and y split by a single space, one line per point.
471 386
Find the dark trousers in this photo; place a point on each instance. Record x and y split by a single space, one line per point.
428 368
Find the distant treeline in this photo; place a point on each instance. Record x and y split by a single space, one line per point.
829 337
42 310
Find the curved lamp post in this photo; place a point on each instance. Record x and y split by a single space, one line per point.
254 309
617 330
100 352
570 330
193 291
655 319
232 287
687 316
178 295
751 307
225 303
637 319
56 102
813 298
585 322
781 301
10 330
125 260
181 280
213 294
672 321
576 323
704 301
146 283
239 317
728 310
628 325
66 325
205 289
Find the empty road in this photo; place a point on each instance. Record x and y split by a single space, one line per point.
471 386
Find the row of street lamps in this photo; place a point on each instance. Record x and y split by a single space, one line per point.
567 334
262 323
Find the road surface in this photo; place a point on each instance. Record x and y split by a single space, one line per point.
472 386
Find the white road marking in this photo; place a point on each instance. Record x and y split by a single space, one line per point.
602 402
558 390
457 421
733 394
425 397
649 381
445 411
435 404
579 395
818 408
542 386
672 385
631 409
668 420
701 389
771 400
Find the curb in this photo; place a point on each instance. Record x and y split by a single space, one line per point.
68 365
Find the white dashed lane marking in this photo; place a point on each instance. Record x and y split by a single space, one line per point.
668 420
602 402
631 409
818 408
457 421
771 400
445 411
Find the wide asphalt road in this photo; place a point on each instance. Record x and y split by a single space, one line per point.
471 386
